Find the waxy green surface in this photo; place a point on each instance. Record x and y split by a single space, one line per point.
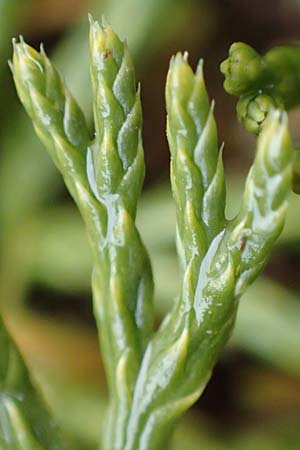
154 378
122 279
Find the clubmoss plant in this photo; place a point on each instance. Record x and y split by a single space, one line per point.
154 377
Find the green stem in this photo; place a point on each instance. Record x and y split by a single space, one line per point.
104 178
180 358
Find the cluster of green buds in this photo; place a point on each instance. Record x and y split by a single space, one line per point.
262 82
154 377
252 110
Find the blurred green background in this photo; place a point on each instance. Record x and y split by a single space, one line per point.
253 399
